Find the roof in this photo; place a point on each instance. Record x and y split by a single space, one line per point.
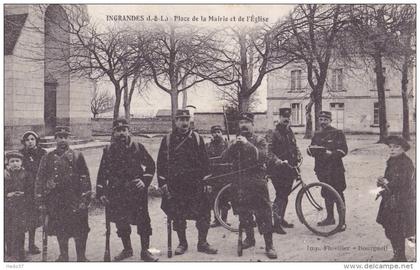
163 113
13 25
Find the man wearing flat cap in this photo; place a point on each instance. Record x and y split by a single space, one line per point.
181 166
63 189
329 166
215 149
250 197
283 152
125 173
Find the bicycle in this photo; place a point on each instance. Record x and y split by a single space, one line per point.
309 205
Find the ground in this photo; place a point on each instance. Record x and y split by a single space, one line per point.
364 239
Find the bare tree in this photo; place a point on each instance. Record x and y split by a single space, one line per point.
175 55
310 35
230 96
101 101
247 56
373 30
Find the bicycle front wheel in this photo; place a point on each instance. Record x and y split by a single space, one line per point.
232 221
311 209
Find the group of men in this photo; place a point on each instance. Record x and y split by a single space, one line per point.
183 166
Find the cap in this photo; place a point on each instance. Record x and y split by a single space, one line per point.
120 123
14 154
62 130
28 133
286 112
182 114
325 114
398 141
246 116
215 128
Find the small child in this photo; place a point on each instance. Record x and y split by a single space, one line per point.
395 212
16 188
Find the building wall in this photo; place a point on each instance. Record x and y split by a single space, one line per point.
24 85
358 96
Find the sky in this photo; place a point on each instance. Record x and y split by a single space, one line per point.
204 96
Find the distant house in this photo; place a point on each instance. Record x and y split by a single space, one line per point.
164 114
349 93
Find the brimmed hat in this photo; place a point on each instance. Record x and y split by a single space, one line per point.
120 123
215 128
398 141
182 114
325 114
27 134
286 112
14 154
246 116
62 130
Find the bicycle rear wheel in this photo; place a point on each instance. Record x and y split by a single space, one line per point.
310 208
232 223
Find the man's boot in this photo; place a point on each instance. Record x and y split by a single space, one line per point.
269 248
249 239
81 248
33 249
277 216
283 222
127 252
183 244
400 250
329 220
63 243
202 245
145 254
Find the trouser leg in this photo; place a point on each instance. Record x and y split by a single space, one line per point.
329 205
80 242
124 232
63 243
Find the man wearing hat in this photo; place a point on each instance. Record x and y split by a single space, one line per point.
32 154
125 173
283 152
398 205
215 149
63 189
181 166
249 190
329 166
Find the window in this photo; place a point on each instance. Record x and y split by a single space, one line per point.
296 118
376 113
337 80
337 114
296 80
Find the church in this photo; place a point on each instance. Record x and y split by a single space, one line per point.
40 93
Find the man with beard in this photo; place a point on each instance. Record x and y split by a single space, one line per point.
32 155
282 151
215 149
122 186
329 166
250 195
63 189
181 166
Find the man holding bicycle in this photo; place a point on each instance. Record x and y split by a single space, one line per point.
328 147
283 153
250 197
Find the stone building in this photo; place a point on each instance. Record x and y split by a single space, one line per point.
350 94
40 92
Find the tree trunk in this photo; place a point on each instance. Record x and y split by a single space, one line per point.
243 103
380 84
318 107
184 99
117 102
404 94
174 106
126 102
308 113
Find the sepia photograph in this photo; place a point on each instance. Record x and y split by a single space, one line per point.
229 132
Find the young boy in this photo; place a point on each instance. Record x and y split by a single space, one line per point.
16 191
395 212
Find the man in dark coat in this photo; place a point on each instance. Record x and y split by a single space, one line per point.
215 149
249 190
328 147
283 152
397 209
32 154
181 166
63 189
122 185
